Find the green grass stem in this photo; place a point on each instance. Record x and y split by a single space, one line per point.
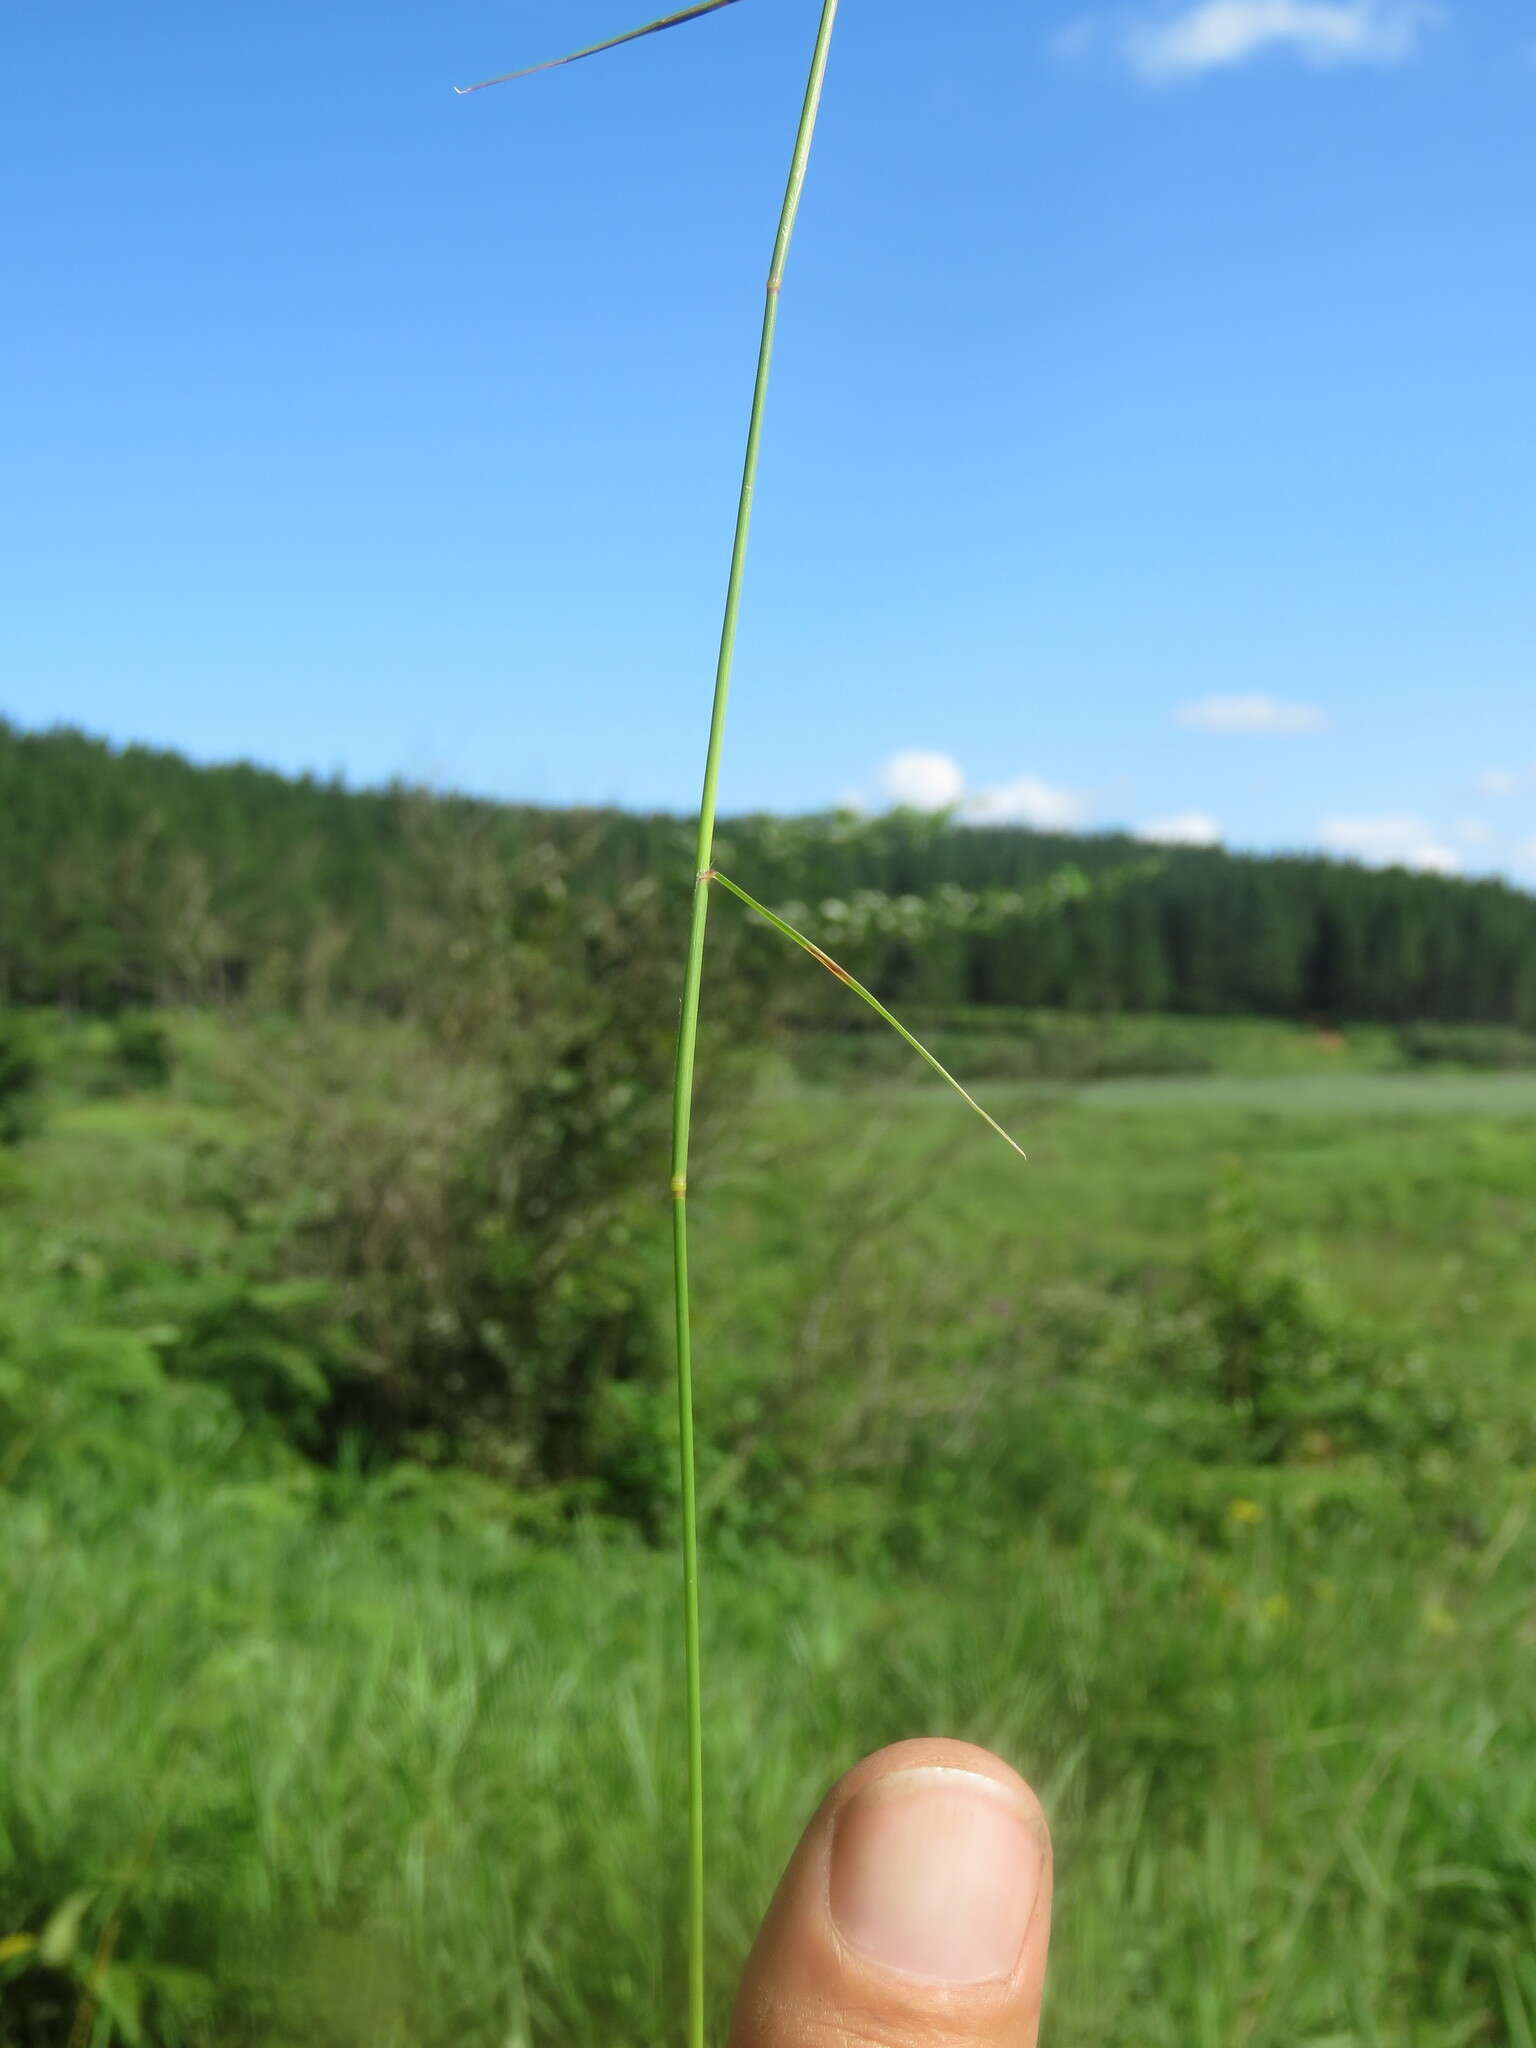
688 1028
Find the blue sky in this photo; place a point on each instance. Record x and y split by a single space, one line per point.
1151 442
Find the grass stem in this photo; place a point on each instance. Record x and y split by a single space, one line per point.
688 1027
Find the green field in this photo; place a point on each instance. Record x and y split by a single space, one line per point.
1477 1097
1193 1467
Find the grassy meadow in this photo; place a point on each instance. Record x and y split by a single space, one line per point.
1192 1466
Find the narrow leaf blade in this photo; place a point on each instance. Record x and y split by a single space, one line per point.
841 974
633 35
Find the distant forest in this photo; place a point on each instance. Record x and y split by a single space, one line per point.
131 876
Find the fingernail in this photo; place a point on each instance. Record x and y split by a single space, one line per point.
935 1872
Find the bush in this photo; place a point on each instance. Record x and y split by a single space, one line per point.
1037 1047
484 1184
21 1078
1287 1376
1165 1391
1468 1045
280 1351
88 1408
144 1051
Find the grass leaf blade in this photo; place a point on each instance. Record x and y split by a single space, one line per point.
841 974
633 35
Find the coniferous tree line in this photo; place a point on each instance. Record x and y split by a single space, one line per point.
131 876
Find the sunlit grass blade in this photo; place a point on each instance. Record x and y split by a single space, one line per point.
841 974
632 35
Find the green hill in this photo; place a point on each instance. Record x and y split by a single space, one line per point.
132 875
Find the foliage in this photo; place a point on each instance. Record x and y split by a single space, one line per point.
1468 1045
394 1775
476 1192
134 877
21 1075
1190 1466
144 1050
1040 1046
302 1757
1236 1368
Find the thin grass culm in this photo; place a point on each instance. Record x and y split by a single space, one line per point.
688 1027
705 874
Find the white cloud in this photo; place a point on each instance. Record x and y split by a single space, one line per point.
1026 800
922 781
1252 714
1498 782
1218 34
1188 828
1474 831
1391 842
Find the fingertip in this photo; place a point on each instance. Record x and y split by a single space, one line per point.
919 1896
937 1752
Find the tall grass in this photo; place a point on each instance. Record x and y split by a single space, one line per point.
1241 1577
1293 1809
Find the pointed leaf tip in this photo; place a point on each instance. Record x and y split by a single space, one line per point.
633 35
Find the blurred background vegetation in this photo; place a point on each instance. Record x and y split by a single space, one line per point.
1193 1466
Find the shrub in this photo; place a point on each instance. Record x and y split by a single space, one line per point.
911 1411
1036 1047
480 1180
143 1050
21 1078
280 1350
1468 1045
